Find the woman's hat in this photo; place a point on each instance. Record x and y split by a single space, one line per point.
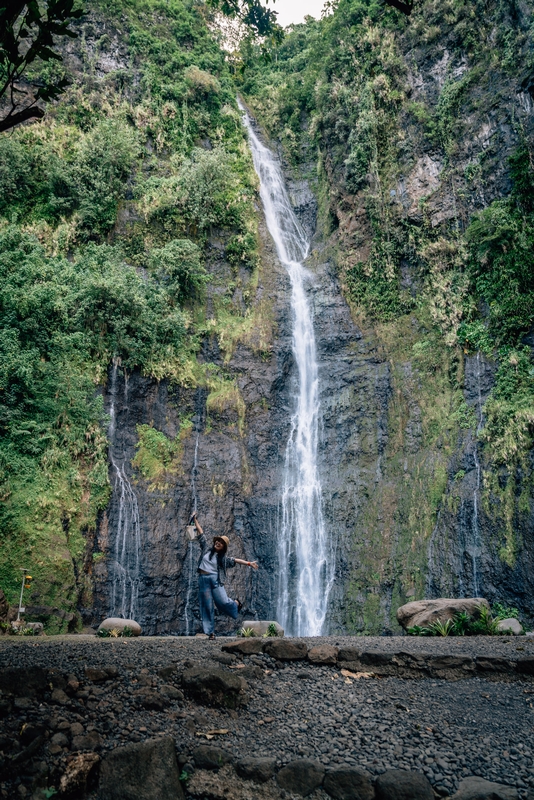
224 539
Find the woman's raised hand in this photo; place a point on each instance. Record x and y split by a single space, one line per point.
254 564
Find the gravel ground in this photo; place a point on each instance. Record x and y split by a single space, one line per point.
446 729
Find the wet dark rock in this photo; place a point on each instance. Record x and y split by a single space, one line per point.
286 649
474 788
348 783
144 771
256 769
215 687
375 658
211 757
301 776
60 697
397 784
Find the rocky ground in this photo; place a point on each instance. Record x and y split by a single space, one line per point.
466 710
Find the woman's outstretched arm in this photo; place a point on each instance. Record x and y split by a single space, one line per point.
253 564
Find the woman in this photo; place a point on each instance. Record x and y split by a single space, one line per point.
212 566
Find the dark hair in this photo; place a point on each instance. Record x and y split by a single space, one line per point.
220 556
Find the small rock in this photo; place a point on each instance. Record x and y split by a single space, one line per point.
349 783
78 773
76 729
245 646
474 788
323 654
256 769
171 692
96 675
510 625
59 739
59 696
224 658
150 700
301 776
261 627
115 623
286 650
397 784
349 654
144 771
89 741
210 757
166 673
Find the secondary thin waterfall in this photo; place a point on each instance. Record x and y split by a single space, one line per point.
306 564
124 567
189 619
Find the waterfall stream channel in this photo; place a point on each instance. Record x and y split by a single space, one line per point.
305 554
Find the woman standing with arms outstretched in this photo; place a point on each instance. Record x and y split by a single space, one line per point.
212 566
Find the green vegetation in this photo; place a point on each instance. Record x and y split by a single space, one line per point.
399 172
107 207
483 623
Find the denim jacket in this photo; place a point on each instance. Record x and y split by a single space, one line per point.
227 561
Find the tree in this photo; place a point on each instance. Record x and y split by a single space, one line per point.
252 14
27 31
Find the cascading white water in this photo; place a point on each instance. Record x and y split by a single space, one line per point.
124 568
304 588
190 546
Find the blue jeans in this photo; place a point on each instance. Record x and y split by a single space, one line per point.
211 592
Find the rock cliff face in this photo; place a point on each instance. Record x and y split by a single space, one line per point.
413 505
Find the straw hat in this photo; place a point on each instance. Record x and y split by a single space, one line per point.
224 539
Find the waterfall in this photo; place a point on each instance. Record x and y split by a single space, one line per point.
305 558
124 568
190 547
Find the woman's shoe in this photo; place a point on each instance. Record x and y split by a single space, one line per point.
239 606
211 637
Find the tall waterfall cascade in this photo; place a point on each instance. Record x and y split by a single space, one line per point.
125 565
305 552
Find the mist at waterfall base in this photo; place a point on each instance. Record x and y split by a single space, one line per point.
305 556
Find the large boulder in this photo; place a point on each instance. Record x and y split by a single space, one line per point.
301 776
286 649
423 613
118 624
215 687
510 625
349 783
397 784
260 627
474 788
144 771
